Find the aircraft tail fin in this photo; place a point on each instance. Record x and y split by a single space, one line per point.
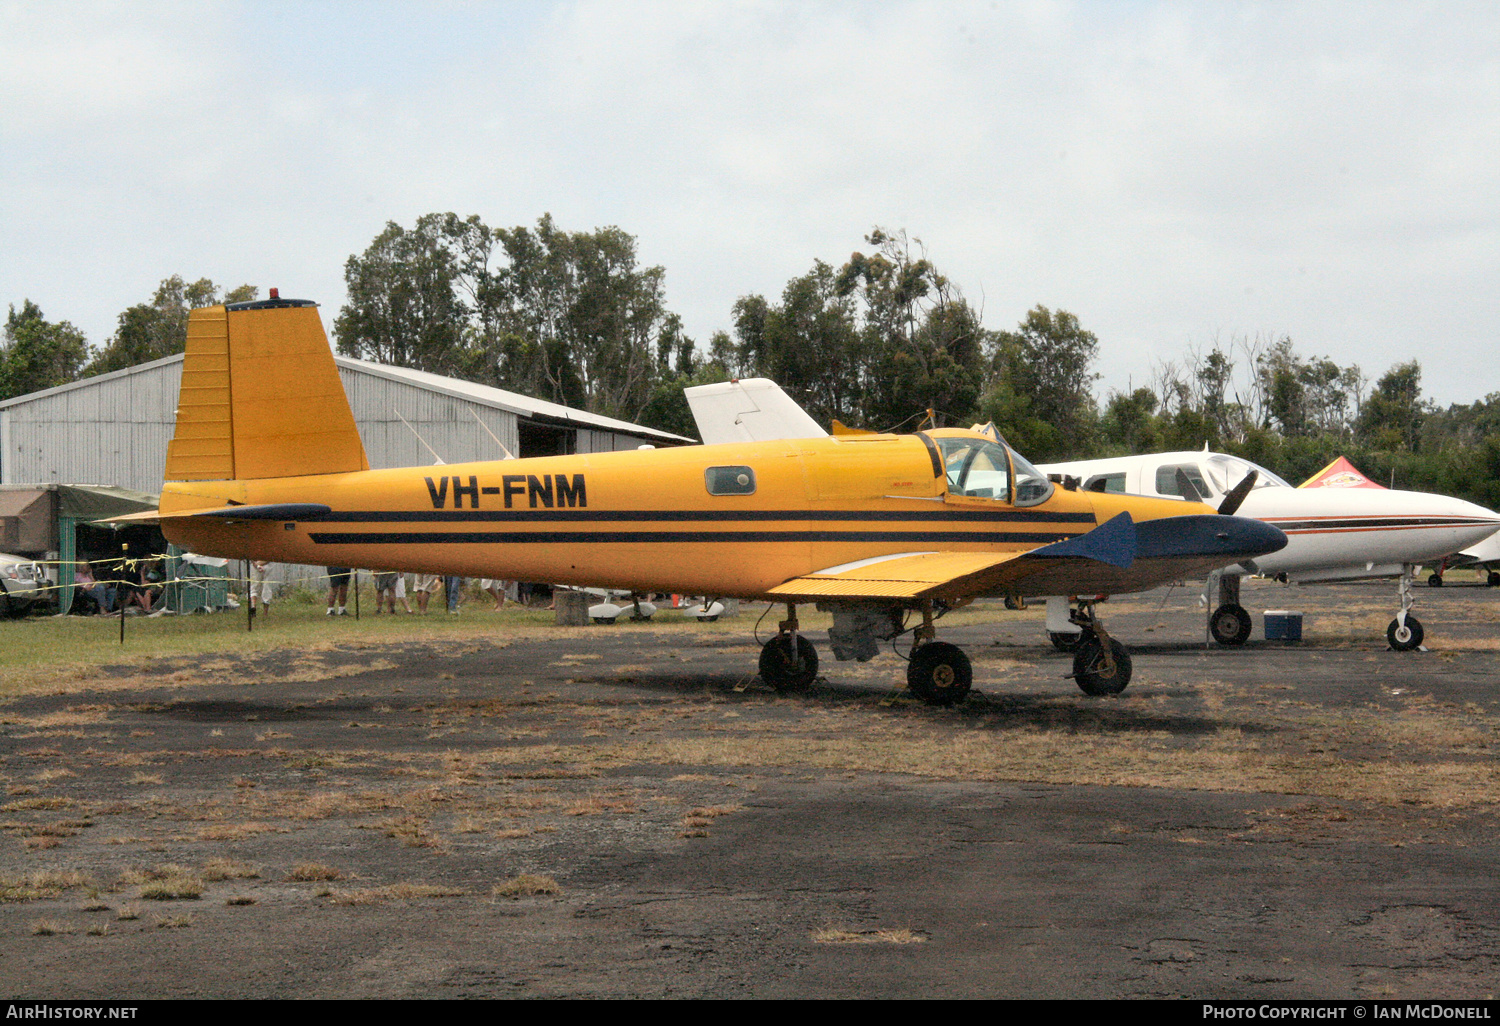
261 397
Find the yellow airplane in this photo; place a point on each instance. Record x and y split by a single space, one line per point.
267 464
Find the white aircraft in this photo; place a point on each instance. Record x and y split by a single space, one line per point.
1333 534
1484 556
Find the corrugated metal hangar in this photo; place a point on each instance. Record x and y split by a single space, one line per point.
113 429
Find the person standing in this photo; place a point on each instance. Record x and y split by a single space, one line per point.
453 587
260 587
338 590
426 584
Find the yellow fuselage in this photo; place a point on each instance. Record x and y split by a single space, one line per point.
640 520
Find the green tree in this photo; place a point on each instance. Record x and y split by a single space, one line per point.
37 353
1393 414
921 343
1047 362
158 329
403 308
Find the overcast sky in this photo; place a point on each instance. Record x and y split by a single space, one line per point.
1173 173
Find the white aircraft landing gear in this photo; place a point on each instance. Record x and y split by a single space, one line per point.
1101 665
1230 623
938 673
1405 632
789 662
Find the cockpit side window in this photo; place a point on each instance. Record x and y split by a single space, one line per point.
984 469
976 467
1106 483
1166 481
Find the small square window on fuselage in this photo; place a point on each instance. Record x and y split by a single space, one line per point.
730 480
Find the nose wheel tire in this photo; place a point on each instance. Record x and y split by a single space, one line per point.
785 670
1091 673
1434 580
939 673
1230 625
1404 638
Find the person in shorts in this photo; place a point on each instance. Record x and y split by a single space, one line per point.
338 589
425 586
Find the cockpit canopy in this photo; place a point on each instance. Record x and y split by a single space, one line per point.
990 470
1214 475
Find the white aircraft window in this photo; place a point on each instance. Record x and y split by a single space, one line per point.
1032 486
1229 471
976 466
1166 480
729 480
982 468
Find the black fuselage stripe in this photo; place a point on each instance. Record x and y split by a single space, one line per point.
1365 522
672 515
622 537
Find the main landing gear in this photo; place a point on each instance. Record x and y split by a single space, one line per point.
788 662
938 673
1405 632
1101 665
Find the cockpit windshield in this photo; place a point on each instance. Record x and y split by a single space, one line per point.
979 467
1227 471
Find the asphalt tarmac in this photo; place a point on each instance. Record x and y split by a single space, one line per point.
627 812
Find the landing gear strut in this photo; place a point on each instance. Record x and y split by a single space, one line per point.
1405 632
938 673
1101 665
788 662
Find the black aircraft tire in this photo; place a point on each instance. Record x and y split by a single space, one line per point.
1230 625
939 673
604 619
1090 673
1493 580
1435 580
1065 641
784 672
1405 639
1011 602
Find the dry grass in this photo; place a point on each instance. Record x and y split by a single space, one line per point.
524 886
41 884
309 872
393 892
838 935
173 888
218 869
49 928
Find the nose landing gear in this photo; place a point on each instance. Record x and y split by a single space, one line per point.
1404 633
1101 665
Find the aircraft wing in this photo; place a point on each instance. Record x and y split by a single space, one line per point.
906 577
1117 557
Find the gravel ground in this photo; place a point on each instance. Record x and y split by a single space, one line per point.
622 812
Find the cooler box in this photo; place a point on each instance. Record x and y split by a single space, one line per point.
1283 625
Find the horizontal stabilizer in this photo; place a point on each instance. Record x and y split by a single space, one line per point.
1112 542
273 511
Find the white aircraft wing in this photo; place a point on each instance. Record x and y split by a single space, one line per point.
748 410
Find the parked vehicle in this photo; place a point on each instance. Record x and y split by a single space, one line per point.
21 581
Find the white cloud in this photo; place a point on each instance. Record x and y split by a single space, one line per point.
1166 171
